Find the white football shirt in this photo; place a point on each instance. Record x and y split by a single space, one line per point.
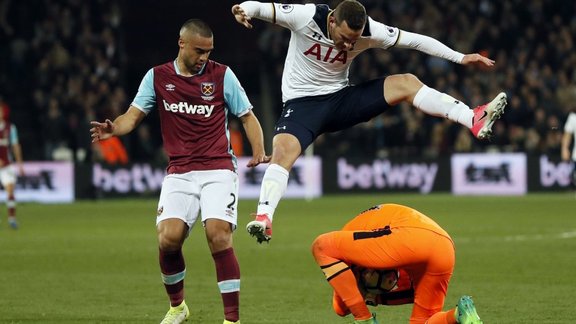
570 127
313 65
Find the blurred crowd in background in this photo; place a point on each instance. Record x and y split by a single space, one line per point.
63 63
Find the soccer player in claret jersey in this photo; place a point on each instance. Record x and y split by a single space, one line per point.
10 151
392 236
317 95
193 96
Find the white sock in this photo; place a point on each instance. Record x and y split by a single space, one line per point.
435 103
274 185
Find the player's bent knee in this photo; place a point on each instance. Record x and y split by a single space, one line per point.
171 235
319 246
169 243
401 87
285 146
407 82
315 248
218 241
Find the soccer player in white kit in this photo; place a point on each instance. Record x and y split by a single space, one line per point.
318 97
568 137
193 96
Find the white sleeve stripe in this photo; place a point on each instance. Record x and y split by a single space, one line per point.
244 112
397 38
139 107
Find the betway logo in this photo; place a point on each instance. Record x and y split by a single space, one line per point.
184 107
382 174
552 173
137 178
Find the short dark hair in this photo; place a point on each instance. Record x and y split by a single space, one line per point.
196 26
352 12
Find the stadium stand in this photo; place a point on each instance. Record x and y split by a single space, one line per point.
66 62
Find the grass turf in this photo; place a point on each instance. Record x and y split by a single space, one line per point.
96 261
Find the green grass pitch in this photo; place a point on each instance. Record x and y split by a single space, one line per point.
96 261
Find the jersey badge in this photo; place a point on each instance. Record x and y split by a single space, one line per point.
391 32
207 89
286 8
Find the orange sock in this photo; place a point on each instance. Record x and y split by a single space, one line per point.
345 286
338 305
340 278
446 317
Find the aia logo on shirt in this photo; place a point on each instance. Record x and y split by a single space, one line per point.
326 54
207 89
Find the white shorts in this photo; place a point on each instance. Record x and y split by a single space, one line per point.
213 194
7 175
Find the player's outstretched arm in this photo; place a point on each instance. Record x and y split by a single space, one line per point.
256 138
241 17
432 46
566 140
101 131
122 125
17 151
477 59
244 12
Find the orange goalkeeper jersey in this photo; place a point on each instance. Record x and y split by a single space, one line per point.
394 216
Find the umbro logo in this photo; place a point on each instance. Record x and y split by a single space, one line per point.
170 87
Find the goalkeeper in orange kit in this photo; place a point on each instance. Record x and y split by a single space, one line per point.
397 237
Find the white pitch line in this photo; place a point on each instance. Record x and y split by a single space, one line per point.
519 238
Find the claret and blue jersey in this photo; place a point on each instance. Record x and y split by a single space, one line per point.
193 113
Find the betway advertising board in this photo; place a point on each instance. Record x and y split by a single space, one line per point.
348 174
489 174
45 182
305 179
546 174
461 174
